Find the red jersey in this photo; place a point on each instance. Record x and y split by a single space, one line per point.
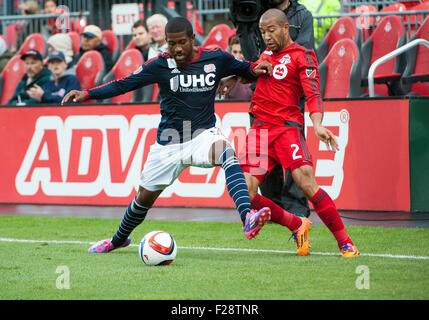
276 97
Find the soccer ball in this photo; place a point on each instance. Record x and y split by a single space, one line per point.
157 248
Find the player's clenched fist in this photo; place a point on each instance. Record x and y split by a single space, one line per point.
74 96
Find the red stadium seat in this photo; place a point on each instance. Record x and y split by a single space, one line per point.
90 70
131 45
363 21
34 41
218 35
414 21
12 31
340 73
9 78
75 38
415 78
388 36
108 37
344 28
129 61
394 7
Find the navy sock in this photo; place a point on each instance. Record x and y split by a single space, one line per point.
235 181
134 215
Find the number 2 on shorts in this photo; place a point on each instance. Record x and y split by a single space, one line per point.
294 156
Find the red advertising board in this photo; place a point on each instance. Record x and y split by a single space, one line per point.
95 154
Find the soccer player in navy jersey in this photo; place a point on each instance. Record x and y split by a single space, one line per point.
188 77
277 132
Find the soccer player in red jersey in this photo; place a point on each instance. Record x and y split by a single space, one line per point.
276 135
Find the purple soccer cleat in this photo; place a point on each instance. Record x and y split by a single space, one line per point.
105 246
255 220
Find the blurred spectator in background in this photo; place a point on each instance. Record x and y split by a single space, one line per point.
50 6
141 38
240 91
60 83
5 54
35 74
63 43
322 8
91 40
156 26
28 8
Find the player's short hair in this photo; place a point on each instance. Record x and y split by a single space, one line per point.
179 24
277 14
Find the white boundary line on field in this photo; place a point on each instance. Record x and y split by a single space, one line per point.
393 256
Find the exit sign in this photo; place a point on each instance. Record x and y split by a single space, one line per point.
123 17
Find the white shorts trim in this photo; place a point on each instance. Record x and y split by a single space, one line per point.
165 163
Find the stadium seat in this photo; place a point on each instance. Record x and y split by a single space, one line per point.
75 38
218 35
363 21
109 38
344 28
90 70
388 36
414 21
394 7
9 78
340 72
129 61
131 45
11 33
415 79
34 41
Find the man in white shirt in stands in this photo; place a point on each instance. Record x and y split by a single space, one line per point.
156 25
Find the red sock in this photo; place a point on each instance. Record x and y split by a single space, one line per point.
328 213
278 214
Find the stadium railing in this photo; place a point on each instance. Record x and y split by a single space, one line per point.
349 5
389 56
36 23
411 20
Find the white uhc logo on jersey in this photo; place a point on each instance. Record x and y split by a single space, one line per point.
192 82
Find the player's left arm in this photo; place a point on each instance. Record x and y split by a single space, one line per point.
309 76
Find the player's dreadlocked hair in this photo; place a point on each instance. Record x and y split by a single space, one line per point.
179 24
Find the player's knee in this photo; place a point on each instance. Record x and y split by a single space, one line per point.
252 185
304 178
222 151
145 197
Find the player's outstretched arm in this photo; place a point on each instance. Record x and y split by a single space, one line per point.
74 96
322 133
263 68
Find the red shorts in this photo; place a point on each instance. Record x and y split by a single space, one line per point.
268 145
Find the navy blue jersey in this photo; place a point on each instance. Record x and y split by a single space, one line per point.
186 95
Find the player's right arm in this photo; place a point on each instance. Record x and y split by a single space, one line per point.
139 78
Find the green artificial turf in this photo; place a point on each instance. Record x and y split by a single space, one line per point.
214 261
